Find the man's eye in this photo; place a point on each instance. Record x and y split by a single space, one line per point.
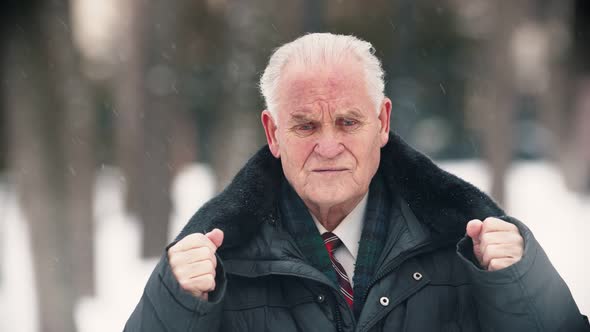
348 122
306 127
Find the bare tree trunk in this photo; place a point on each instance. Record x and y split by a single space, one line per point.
165 108
237 134
184 140
576 162
183 150
51 139
580 168
492 95
150 105
497 112
130 99
73 97
555 102
35 158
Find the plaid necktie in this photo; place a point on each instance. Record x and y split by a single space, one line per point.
332 242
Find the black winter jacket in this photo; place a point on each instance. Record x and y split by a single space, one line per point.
426 279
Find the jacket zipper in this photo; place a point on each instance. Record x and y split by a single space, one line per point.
338 318
275 218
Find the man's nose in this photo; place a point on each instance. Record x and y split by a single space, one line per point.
328 146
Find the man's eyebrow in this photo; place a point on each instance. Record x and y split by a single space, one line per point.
300 115
303 115
351 112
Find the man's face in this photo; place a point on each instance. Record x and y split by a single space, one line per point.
328 134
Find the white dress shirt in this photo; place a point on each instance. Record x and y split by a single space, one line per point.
349 232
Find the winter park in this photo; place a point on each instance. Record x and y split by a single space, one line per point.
307 165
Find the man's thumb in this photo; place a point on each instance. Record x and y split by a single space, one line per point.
474 229
216 236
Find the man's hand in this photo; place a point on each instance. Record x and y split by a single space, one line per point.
193 262
496 244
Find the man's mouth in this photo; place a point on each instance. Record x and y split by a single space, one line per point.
330 170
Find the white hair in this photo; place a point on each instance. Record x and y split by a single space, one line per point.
322 49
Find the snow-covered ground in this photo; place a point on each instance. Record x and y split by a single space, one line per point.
536 195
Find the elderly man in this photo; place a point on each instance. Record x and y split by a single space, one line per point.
338 225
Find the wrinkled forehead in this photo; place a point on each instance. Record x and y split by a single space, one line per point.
340 84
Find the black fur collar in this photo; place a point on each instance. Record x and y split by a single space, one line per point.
440 200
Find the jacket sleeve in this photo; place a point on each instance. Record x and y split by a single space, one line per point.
527 296
165 306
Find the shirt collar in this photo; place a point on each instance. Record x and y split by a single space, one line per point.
350 228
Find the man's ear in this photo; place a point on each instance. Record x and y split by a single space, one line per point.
384 119
270 129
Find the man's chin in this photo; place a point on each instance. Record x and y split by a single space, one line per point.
329 198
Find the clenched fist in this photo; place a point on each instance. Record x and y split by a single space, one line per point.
193 262
496 244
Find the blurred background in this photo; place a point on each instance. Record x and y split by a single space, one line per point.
119 118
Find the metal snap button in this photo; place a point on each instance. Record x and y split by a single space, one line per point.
321 298
417 276
384 301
